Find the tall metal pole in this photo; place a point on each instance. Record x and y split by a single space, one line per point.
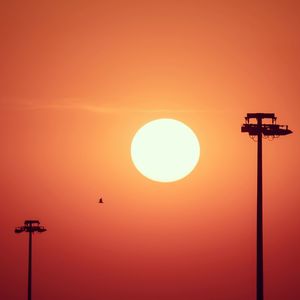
29 262
261 129
30 226
259 224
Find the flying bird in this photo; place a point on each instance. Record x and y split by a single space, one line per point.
100 200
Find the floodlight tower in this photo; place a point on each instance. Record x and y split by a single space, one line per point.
260 130
30 226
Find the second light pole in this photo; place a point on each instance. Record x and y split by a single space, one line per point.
30 226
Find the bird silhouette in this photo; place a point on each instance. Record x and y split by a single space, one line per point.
101 200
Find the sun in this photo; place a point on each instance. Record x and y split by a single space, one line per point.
165 150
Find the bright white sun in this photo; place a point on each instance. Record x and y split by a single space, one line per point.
165 150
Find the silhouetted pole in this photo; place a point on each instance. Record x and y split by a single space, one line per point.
259 219
269 130
29 262
30 229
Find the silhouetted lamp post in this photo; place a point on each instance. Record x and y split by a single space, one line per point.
261 130
30 226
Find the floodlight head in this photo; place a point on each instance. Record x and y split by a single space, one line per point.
31 226
265 129
19 229
41 229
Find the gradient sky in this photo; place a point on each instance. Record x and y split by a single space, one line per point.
78 78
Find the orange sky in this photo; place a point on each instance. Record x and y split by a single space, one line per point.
78 78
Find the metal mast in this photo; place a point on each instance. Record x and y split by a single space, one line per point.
261 130
30 226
